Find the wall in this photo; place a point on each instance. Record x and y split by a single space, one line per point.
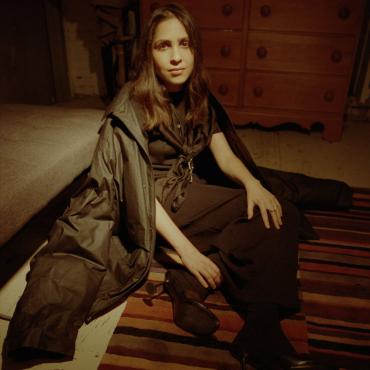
83 48
32 61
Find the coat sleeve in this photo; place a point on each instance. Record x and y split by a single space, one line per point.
65 276
87 224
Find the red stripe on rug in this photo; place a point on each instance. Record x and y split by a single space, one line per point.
334 249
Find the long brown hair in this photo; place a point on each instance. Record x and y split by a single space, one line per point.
146 88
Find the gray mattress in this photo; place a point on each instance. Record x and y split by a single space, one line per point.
42 150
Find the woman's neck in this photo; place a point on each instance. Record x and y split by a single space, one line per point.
176 97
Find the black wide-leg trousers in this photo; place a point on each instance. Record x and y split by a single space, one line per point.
258 265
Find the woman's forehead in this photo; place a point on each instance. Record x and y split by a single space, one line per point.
170 28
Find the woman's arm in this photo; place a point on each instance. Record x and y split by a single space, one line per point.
204 269
257 195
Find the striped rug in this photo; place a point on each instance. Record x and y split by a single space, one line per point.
334 279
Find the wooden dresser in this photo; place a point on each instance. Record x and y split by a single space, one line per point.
277 61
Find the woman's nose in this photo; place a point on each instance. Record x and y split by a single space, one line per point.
176 56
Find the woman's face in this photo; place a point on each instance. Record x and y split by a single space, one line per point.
173 58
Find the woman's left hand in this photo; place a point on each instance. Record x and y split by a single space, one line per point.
268 204
257 195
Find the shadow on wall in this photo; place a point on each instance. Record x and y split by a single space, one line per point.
50 51
31 42
81 34
99 36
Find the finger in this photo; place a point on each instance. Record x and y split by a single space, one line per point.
276 211
212 283
215 275
213 267
210 280
278 207
280 214
206 270
218 274
218 279
274 214
275 219
280 220
265 217
201 279
250 210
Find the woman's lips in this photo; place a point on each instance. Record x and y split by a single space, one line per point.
176 71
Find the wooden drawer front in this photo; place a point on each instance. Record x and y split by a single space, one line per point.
300 53
221 49
227 14
294 91
225 86
337 16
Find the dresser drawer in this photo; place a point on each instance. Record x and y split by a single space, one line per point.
225 14
334 16
225 86
295 91
221 49
300 53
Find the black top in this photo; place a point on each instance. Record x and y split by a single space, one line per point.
172 149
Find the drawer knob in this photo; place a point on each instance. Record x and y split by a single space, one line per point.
344 13
225 51
227 10
265 11
258 91
223 89
329 96
154 6
336 56
261 52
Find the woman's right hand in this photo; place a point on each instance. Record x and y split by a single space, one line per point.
202 267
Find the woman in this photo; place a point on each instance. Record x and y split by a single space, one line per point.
155 170
250 253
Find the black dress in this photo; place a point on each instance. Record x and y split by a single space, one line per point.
258 265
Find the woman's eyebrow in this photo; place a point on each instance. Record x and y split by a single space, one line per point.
169 41
161 41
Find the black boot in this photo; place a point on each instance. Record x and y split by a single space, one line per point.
263 344
248 348
188 295
299 361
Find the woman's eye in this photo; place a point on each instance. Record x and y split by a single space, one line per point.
185 43
161 45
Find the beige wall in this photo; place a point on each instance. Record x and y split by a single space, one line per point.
82 48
